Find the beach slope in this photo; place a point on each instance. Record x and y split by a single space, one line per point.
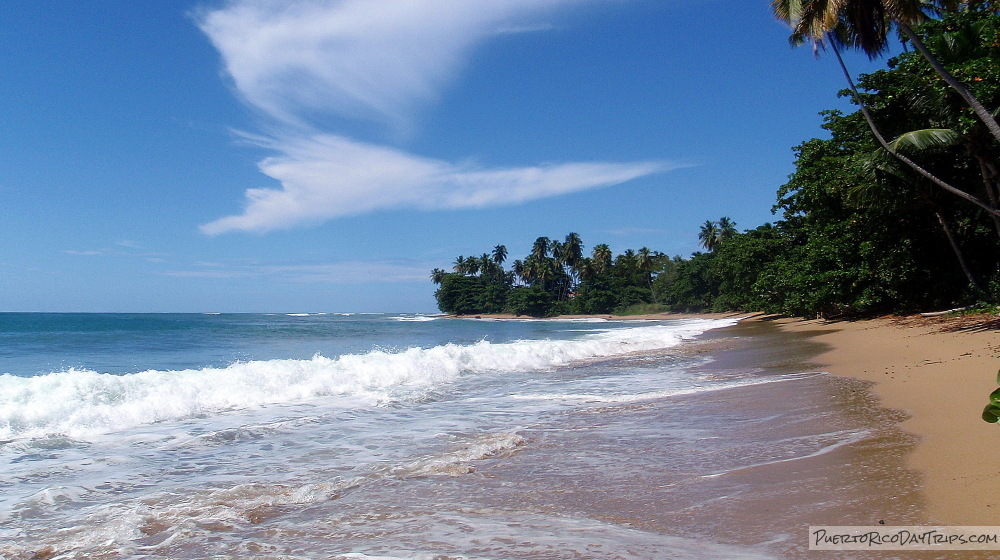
940 372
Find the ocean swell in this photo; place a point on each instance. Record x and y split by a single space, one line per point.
81 403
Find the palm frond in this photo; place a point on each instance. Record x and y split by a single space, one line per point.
926 139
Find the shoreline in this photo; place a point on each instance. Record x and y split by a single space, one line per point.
939 373
663 316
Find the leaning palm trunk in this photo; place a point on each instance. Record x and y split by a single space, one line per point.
958 251
990 178
977 107
993 210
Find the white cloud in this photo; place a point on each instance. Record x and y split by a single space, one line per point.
356 58
325 177
298 61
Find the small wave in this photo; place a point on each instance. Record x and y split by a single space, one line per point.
416 318
813 446
457 462
665 393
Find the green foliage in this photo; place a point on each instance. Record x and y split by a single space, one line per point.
554 278
858 230
991 413
533 301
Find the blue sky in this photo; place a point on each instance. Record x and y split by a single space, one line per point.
309 156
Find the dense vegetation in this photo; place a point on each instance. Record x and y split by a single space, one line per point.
555 278
897 210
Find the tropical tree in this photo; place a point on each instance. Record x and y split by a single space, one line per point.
518 269
709 234
499 254
822 22
602 258
864 24
540 248
727 228
645 263
437 275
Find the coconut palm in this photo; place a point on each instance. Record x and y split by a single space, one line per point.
499 254
937 138
573 248
472 266
573 254
866 192
819 21
645 263
709 234
727 228
864 24
486 266
602 258
540 248
437 275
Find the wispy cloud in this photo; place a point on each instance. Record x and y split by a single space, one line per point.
299 62
325 177
355 58
125 250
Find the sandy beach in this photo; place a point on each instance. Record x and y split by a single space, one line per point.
939 372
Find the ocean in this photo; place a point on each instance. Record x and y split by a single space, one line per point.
405 436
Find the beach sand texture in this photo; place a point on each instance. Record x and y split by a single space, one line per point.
940 374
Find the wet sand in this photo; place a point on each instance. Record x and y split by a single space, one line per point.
939 373
935 373
749 467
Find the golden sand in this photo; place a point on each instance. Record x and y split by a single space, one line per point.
940 372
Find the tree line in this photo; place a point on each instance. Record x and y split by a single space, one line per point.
556 277
897 209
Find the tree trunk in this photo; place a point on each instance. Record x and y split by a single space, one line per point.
957 250
990 179
994 211
977 107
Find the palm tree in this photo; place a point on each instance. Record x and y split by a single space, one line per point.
864 24
602 258
936 138
437 275
499 254
815 19
472 266
486 265
867 191
518 270
540 248
644 261
573 247
709 234
727 229
573 254
586 269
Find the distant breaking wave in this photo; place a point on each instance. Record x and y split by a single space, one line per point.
81 403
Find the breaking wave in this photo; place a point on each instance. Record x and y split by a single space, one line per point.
79 403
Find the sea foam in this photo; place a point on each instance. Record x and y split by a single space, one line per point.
81 403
